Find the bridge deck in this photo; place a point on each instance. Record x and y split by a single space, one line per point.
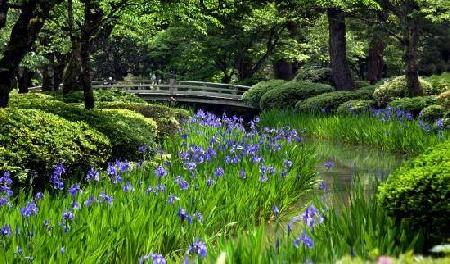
185 91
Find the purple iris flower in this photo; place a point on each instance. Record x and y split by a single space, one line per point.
156 259
305 239
199 248
29 210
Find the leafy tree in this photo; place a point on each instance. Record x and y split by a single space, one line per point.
24 33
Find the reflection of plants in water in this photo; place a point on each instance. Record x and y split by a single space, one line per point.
337 226
350 159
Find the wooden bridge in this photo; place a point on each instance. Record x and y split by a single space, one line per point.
184 92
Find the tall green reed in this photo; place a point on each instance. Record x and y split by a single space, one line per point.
393 135
354 225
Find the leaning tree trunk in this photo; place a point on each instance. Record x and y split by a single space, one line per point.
376 62
411 59
24 34
341 74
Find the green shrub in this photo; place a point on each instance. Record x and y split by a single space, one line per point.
361 84
290 93
315 73
413 104
327 102
444 99
32 142
125 129
167 119
419 191
356 106
111 95
253 96
396 88
432 113
366 92
440 83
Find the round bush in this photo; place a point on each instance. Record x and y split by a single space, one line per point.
290 93
413 104
420 190
326 103
253 96
167 119
125 129
444 99
440 83
32 142
356 106
397 88
432 113
361 84
366 92
110 95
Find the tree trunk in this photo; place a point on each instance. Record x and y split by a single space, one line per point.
61 61
341 74
411 59
93 16
24 34
24 80
376 62
284 70
48 74
71 77
3 12
244 67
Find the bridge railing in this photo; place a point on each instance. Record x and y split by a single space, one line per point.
185 87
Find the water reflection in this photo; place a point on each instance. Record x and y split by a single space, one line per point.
352 161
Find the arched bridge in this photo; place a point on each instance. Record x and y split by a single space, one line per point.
184 92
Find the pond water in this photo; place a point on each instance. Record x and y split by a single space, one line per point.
340 163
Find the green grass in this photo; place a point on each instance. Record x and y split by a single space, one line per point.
356 225
395 136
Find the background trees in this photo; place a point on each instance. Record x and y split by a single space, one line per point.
71 42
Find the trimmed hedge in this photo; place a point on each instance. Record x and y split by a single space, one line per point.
126 129
419 191
110 95
290 93
396 88
444 99
366 92
413 104
356 106
440 83
432 113
32 142
327 102
253 96
167 119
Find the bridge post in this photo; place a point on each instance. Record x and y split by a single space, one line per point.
235 89
172 87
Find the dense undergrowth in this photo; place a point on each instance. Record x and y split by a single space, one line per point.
385 132
215 181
